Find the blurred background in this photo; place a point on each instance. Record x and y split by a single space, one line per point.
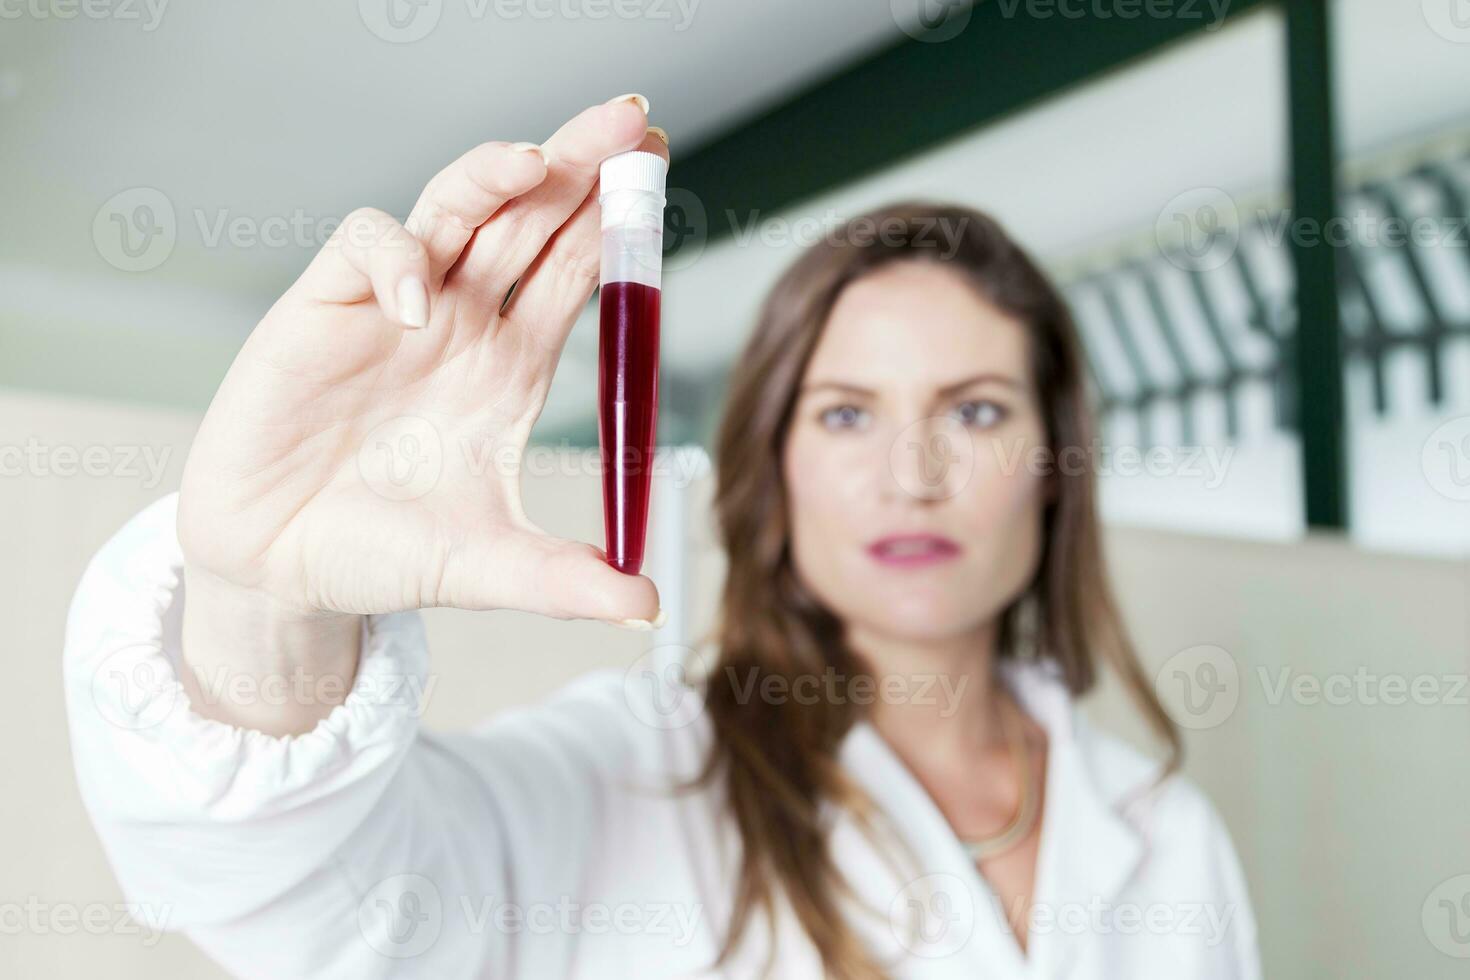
1258 209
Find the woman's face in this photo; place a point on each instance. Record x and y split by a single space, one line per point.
915 502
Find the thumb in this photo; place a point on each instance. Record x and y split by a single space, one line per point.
535 572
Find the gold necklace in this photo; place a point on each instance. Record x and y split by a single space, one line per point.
1021 825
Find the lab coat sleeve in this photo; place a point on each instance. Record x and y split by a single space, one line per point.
363 848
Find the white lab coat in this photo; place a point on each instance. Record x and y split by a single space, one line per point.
548 843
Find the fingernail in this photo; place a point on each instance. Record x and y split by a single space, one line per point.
632 97
532 148
644 624
413 303
659 132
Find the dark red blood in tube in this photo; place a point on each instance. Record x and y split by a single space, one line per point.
627 403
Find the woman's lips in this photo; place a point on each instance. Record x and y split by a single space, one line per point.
913 550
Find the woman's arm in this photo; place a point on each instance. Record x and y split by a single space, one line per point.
251 843
360 848
242 664
228 629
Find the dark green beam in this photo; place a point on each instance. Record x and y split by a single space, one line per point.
1316 361
913 95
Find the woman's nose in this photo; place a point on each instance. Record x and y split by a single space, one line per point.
930 460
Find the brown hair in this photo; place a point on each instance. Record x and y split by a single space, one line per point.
778 761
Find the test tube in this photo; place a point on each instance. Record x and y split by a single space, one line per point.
632 200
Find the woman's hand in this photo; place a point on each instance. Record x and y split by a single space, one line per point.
361 455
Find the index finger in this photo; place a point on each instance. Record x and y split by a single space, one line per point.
506 245
464 195
552 292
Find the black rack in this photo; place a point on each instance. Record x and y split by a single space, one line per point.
1190 330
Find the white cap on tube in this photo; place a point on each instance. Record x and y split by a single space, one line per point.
631 195
631 190
636 170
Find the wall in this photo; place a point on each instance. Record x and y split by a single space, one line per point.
1347 809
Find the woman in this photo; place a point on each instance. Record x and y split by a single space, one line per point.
881 775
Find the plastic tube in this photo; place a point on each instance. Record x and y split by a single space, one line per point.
632 200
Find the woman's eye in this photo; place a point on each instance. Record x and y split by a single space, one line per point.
844 417
979 414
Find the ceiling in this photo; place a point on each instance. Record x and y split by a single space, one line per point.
300 112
